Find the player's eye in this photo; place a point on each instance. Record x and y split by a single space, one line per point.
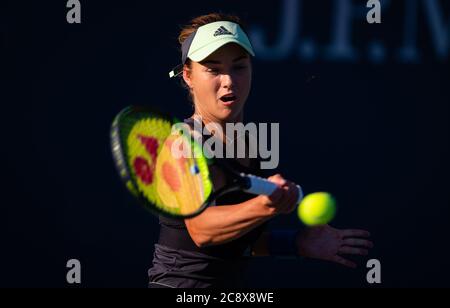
213 71
240 67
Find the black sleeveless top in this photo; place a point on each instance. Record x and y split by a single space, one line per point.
179 262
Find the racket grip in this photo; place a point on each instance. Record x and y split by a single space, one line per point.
261 186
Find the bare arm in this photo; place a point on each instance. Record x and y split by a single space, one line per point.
221 224
323 243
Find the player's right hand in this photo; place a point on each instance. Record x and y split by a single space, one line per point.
284 199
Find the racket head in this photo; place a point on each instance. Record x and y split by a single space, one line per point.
172 183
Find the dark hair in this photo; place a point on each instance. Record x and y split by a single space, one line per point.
196 23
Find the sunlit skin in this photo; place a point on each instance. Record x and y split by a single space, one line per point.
228 72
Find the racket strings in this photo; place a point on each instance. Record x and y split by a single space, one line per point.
191 200
144 142
167 183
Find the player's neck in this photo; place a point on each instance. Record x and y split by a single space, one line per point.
206 119
217 127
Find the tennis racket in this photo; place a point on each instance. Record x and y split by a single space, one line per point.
143 141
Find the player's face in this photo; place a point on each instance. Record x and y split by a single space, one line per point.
221 84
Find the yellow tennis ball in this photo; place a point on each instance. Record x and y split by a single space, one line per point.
317 209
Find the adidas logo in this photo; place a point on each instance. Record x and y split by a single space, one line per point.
222 31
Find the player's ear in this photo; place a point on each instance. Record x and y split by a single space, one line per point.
187 76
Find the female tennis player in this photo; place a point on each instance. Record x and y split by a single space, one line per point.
208 250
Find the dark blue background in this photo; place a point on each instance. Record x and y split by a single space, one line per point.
371 130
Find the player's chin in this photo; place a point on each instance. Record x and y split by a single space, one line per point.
230 112
230 115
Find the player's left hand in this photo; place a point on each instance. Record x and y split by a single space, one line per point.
330 244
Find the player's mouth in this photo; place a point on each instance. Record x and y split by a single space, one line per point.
228 99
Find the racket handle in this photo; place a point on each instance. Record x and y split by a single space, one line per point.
261 186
